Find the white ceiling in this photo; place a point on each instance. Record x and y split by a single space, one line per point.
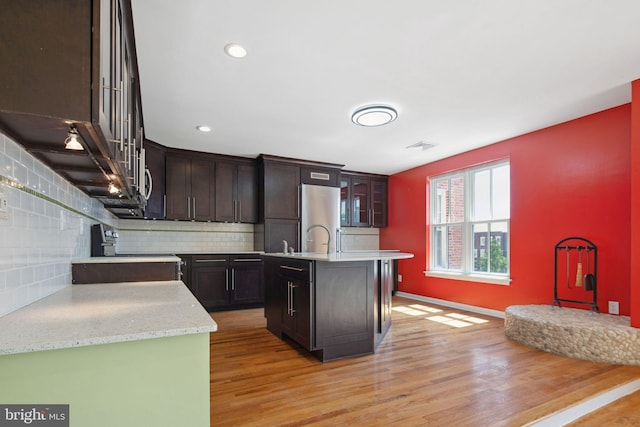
462 74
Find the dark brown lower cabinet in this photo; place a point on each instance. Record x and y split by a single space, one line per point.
224 282
247 280
210 280
295 282
326 307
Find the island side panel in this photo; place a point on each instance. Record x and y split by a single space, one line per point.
159 382
113 272
344 308
273 298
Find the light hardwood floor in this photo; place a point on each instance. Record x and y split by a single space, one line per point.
436 367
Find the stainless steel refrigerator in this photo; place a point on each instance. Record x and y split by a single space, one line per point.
320 220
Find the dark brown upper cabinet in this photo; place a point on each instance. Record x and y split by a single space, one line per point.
281 190
236 192
155 156
190 188
210 187
73 62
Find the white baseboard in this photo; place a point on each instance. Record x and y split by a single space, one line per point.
572 413
459 306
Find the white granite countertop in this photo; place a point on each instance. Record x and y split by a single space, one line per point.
123 259
80 315
345 256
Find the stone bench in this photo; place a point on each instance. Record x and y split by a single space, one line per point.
574 333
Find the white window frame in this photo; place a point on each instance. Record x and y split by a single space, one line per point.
466 273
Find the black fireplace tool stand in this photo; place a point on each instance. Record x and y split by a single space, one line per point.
587 280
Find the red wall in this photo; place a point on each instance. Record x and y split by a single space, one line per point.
635 204
572 179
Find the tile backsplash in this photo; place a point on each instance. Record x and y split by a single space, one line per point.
44 226
148 236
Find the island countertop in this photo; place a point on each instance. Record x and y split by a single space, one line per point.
345 256
104 313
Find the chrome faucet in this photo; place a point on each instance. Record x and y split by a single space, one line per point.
328 235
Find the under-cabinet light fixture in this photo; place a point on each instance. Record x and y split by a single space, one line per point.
73 140
113 189
374 115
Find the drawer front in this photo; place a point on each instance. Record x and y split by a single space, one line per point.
209 260
301 269
245 260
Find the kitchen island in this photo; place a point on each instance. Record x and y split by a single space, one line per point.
334 305
126 354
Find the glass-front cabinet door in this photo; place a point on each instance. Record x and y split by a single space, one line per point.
360 213
345 197
378 216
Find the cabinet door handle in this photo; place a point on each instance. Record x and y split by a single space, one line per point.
164 207
233 279
121 115
234 211
288 297
188 206
194 207
286 267
247 260
226 279
293 305
210 260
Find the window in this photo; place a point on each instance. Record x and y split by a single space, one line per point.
470 221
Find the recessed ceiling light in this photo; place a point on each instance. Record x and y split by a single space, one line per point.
420 146
234 50
203 128
374 115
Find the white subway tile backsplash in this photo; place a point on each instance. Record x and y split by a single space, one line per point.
182 236
40 237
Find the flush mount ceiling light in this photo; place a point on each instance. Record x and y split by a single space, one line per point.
73 140
374 115
204 128
234 50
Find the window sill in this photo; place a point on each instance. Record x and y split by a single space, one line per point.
506 281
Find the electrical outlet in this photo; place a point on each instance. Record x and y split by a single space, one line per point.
614 307
399 277
4 205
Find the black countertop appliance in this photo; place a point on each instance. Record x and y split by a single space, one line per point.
103 240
